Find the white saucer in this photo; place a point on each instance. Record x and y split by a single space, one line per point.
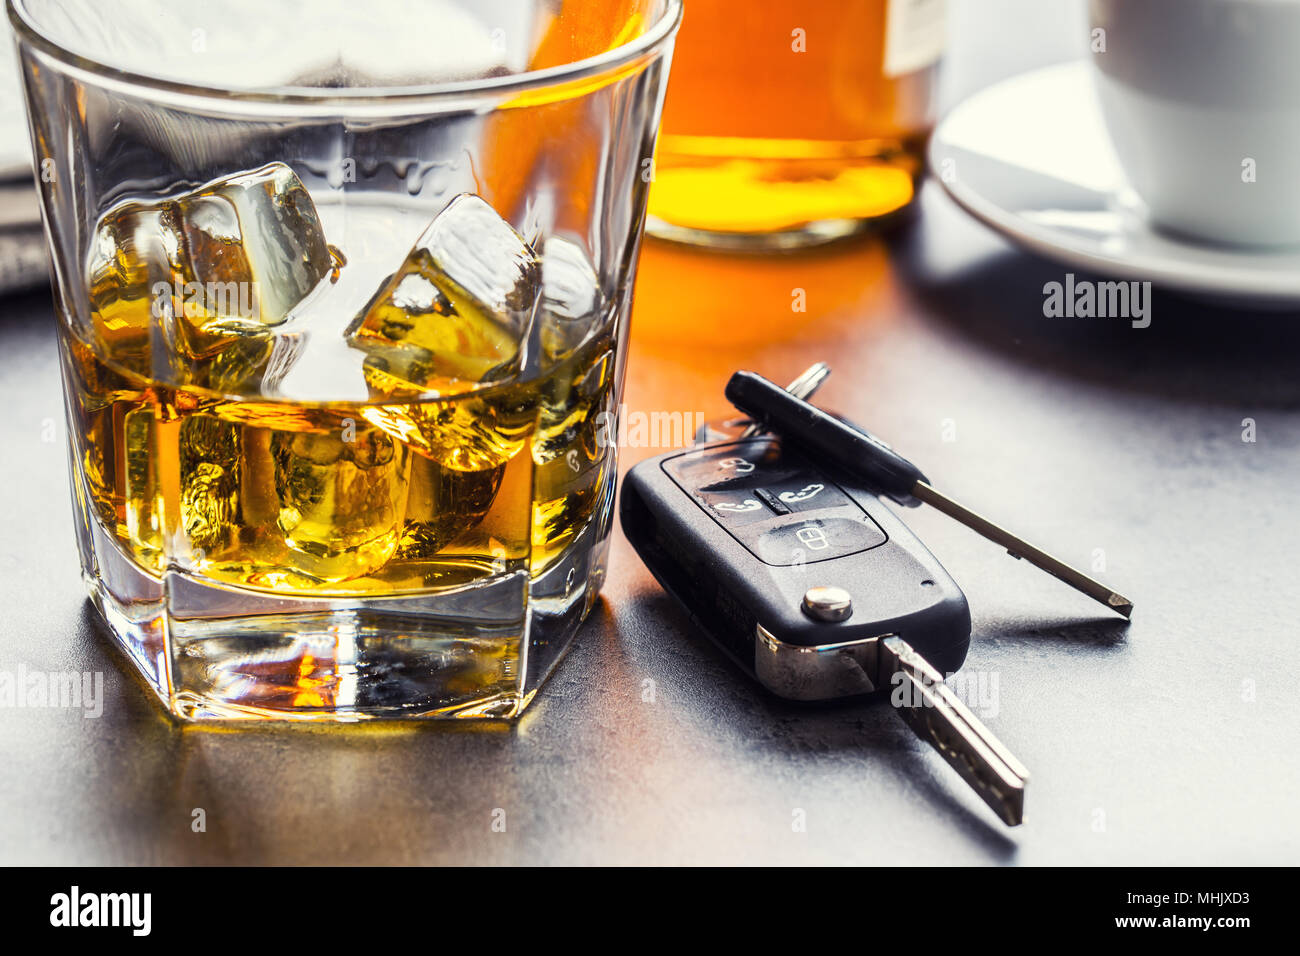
1031 158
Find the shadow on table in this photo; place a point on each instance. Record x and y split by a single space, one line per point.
1091 633
1193 349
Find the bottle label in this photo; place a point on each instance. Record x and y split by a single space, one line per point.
916 32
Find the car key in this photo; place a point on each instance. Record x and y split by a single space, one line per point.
847 447
802 387
816 589
805 386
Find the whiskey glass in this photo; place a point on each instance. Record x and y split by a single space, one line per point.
343 293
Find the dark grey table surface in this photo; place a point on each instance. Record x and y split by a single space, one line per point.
1170 740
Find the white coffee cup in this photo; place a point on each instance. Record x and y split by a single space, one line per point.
1202 101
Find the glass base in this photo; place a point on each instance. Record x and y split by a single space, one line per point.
756 195
806 236
211 651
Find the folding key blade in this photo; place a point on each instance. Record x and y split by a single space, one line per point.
1019 548
938 717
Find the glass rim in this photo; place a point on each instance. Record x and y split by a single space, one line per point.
409 96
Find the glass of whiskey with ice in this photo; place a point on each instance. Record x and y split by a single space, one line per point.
343 295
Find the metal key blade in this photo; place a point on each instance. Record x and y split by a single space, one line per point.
938 717
1020 548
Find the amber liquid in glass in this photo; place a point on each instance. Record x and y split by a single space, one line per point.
789 121
332 497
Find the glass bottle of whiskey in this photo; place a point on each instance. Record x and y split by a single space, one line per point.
794 122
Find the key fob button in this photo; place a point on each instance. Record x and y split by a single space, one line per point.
806 540
735 507
808 494
737 462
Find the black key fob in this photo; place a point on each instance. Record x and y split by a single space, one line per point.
794 571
